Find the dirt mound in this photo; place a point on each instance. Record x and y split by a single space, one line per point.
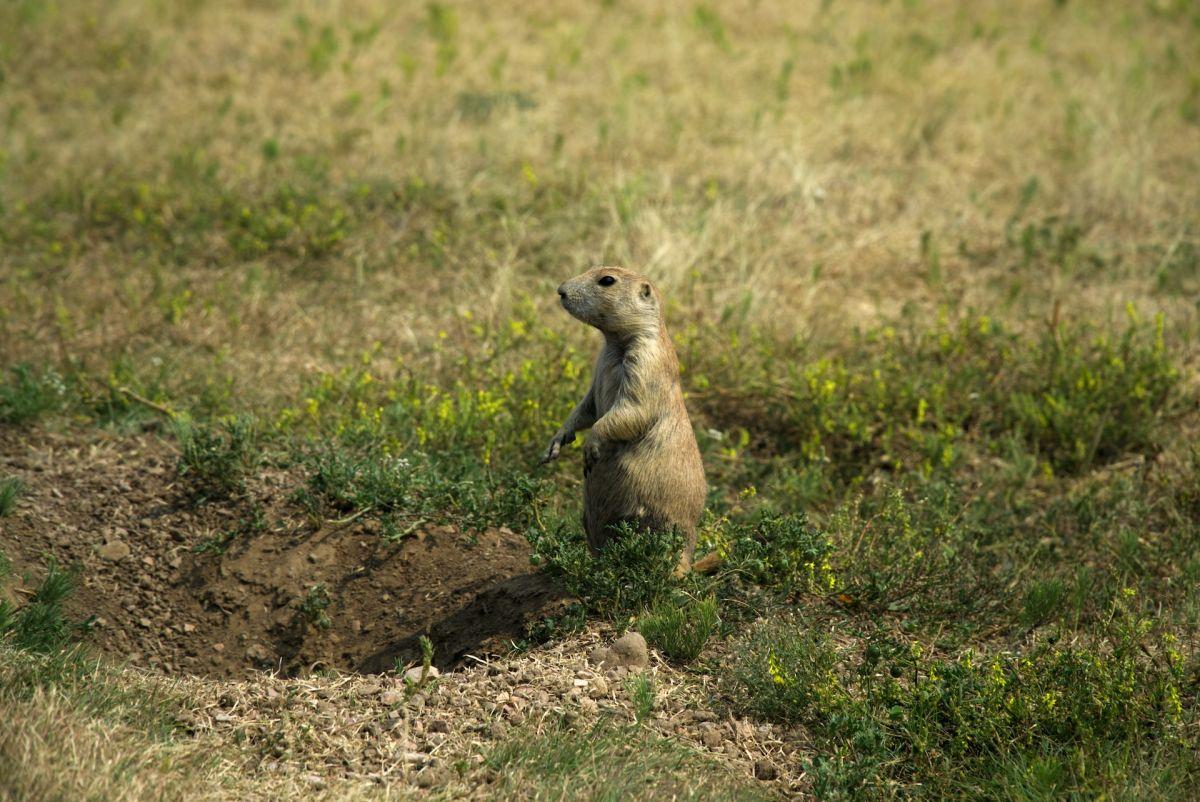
222 588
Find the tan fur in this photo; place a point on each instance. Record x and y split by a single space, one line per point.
640 462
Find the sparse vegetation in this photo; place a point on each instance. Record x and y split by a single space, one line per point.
932 272
214 458
26 393
314 605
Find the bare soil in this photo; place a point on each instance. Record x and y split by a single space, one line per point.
162 594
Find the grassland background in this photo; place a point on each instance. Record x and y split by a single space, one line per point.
262 208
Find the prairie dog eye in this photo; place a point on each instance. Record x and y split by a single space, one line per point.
606 281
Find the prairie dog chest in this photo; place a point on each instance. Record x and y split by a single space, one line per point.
610 380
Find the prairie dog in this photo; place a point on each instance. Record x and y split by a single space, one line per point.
641 464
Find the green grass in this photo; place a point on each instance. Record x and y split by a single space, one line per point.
633 570
607 762
38 624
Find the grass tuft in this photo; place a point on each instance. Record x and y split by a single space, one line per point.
10 490
680 628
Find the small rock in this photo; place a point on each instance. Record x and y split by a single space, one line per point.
415 673
114 550
188 629
427 779
389 698
599 688
629 651
765 770
710 737
598 655
417 758
439 725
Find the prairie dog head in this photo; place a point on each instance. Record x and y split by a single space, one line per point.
615 300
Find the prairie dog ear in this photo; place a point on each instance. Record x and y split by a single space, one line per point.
645 290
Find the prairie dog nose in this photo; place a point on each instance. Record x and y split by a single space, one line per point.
561 292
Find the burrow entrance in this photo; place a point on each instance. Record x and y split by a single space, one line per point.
167 587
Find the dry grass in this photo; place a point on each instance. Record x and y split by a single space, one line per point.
764 157
109 734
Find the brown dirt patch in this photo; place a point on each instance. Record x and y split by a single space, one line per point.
110 505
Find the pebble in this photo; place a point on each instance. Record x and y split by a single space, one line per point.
765 770
114 550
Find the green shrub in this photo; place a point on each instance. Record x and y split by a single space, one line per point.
680 628
780 551
919 399
314 604
633 571
785 671
895 716
1080 400
898 555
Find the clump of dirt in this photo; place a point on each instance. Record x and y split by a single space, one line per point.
221 588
